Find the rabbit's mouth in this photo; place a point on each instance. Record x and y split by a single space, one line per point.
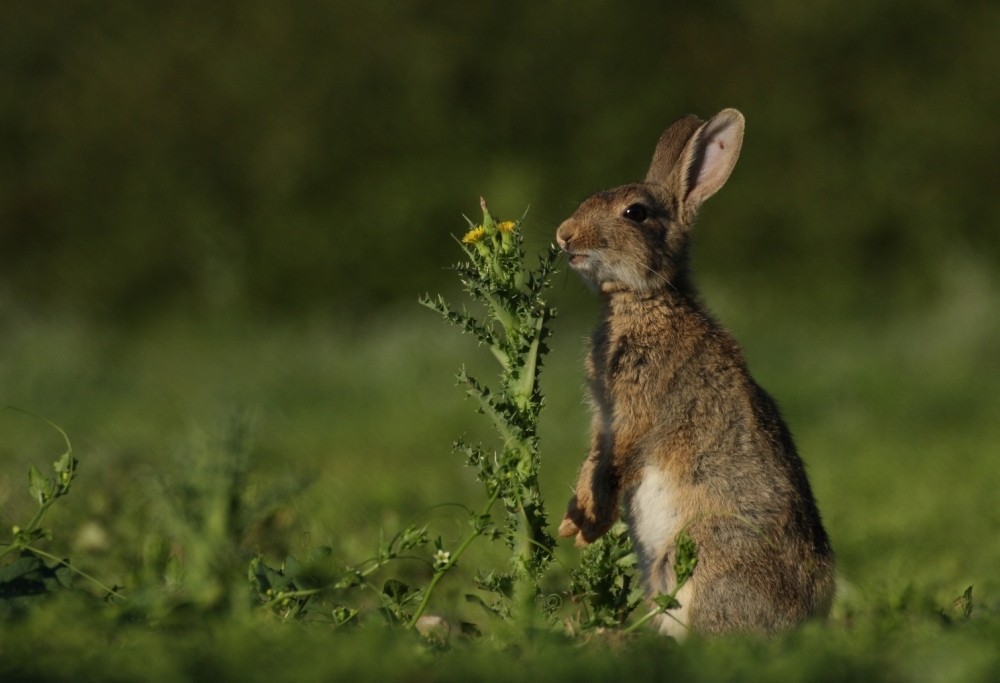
577 260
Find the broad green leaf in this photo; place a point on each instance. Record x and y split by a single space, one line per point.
38 485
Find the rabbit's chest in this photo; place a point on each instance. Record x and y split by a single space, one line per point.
622 361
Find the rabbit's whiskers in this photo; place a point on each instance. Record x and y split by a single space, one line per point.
641 265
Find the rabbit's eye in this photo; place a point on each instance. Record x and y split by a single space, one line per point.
636 213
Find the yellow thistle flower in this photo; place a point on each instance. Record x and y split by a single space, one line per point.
506 226
474 235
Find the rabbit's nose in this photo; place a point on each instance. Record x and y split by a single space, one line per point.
565 234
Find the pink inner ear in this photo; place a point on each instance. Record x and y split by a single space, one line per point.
715 151
717 161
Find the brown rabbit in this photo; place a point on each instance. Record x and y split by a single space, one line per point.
682 435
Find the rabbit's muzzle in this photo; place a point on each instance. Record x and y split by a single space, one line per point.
568 241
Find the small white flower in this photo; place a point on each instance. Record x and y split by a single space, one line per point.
441 558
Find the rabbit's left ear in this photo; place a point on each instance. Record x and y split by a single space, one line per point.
709 158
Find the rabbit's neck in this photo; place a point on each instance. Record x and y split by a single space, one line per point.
656 318
630 304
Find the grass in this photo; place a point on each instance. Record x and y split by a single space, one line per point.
351 433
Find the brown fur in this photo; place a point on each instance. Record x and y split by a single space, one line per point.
682 435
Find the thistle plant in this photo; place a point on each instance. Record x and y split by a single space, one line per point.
514 327
606 587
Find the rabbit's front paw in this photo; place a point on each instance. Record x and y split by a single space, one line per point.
584 522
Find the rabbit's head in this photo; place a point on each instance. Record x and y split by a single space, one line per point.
635 237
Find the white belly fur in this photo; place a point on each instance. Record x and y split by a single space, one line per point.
653 516
654 522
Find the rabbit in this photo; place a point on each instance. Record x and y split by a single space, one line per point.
683 438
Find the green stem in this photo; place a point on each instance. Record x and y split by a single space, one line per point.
296 594
341 583
32 526
631 628
439 574
527 384
37 519
80 572
657 610
526 587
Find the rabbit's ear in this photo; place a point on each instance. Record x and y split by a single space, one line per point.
709 158
669 148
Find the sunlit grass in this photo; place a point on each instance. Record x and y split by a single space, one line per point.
351 433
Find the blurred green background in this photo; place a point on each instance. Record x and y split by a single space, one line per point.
210 209
282 158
